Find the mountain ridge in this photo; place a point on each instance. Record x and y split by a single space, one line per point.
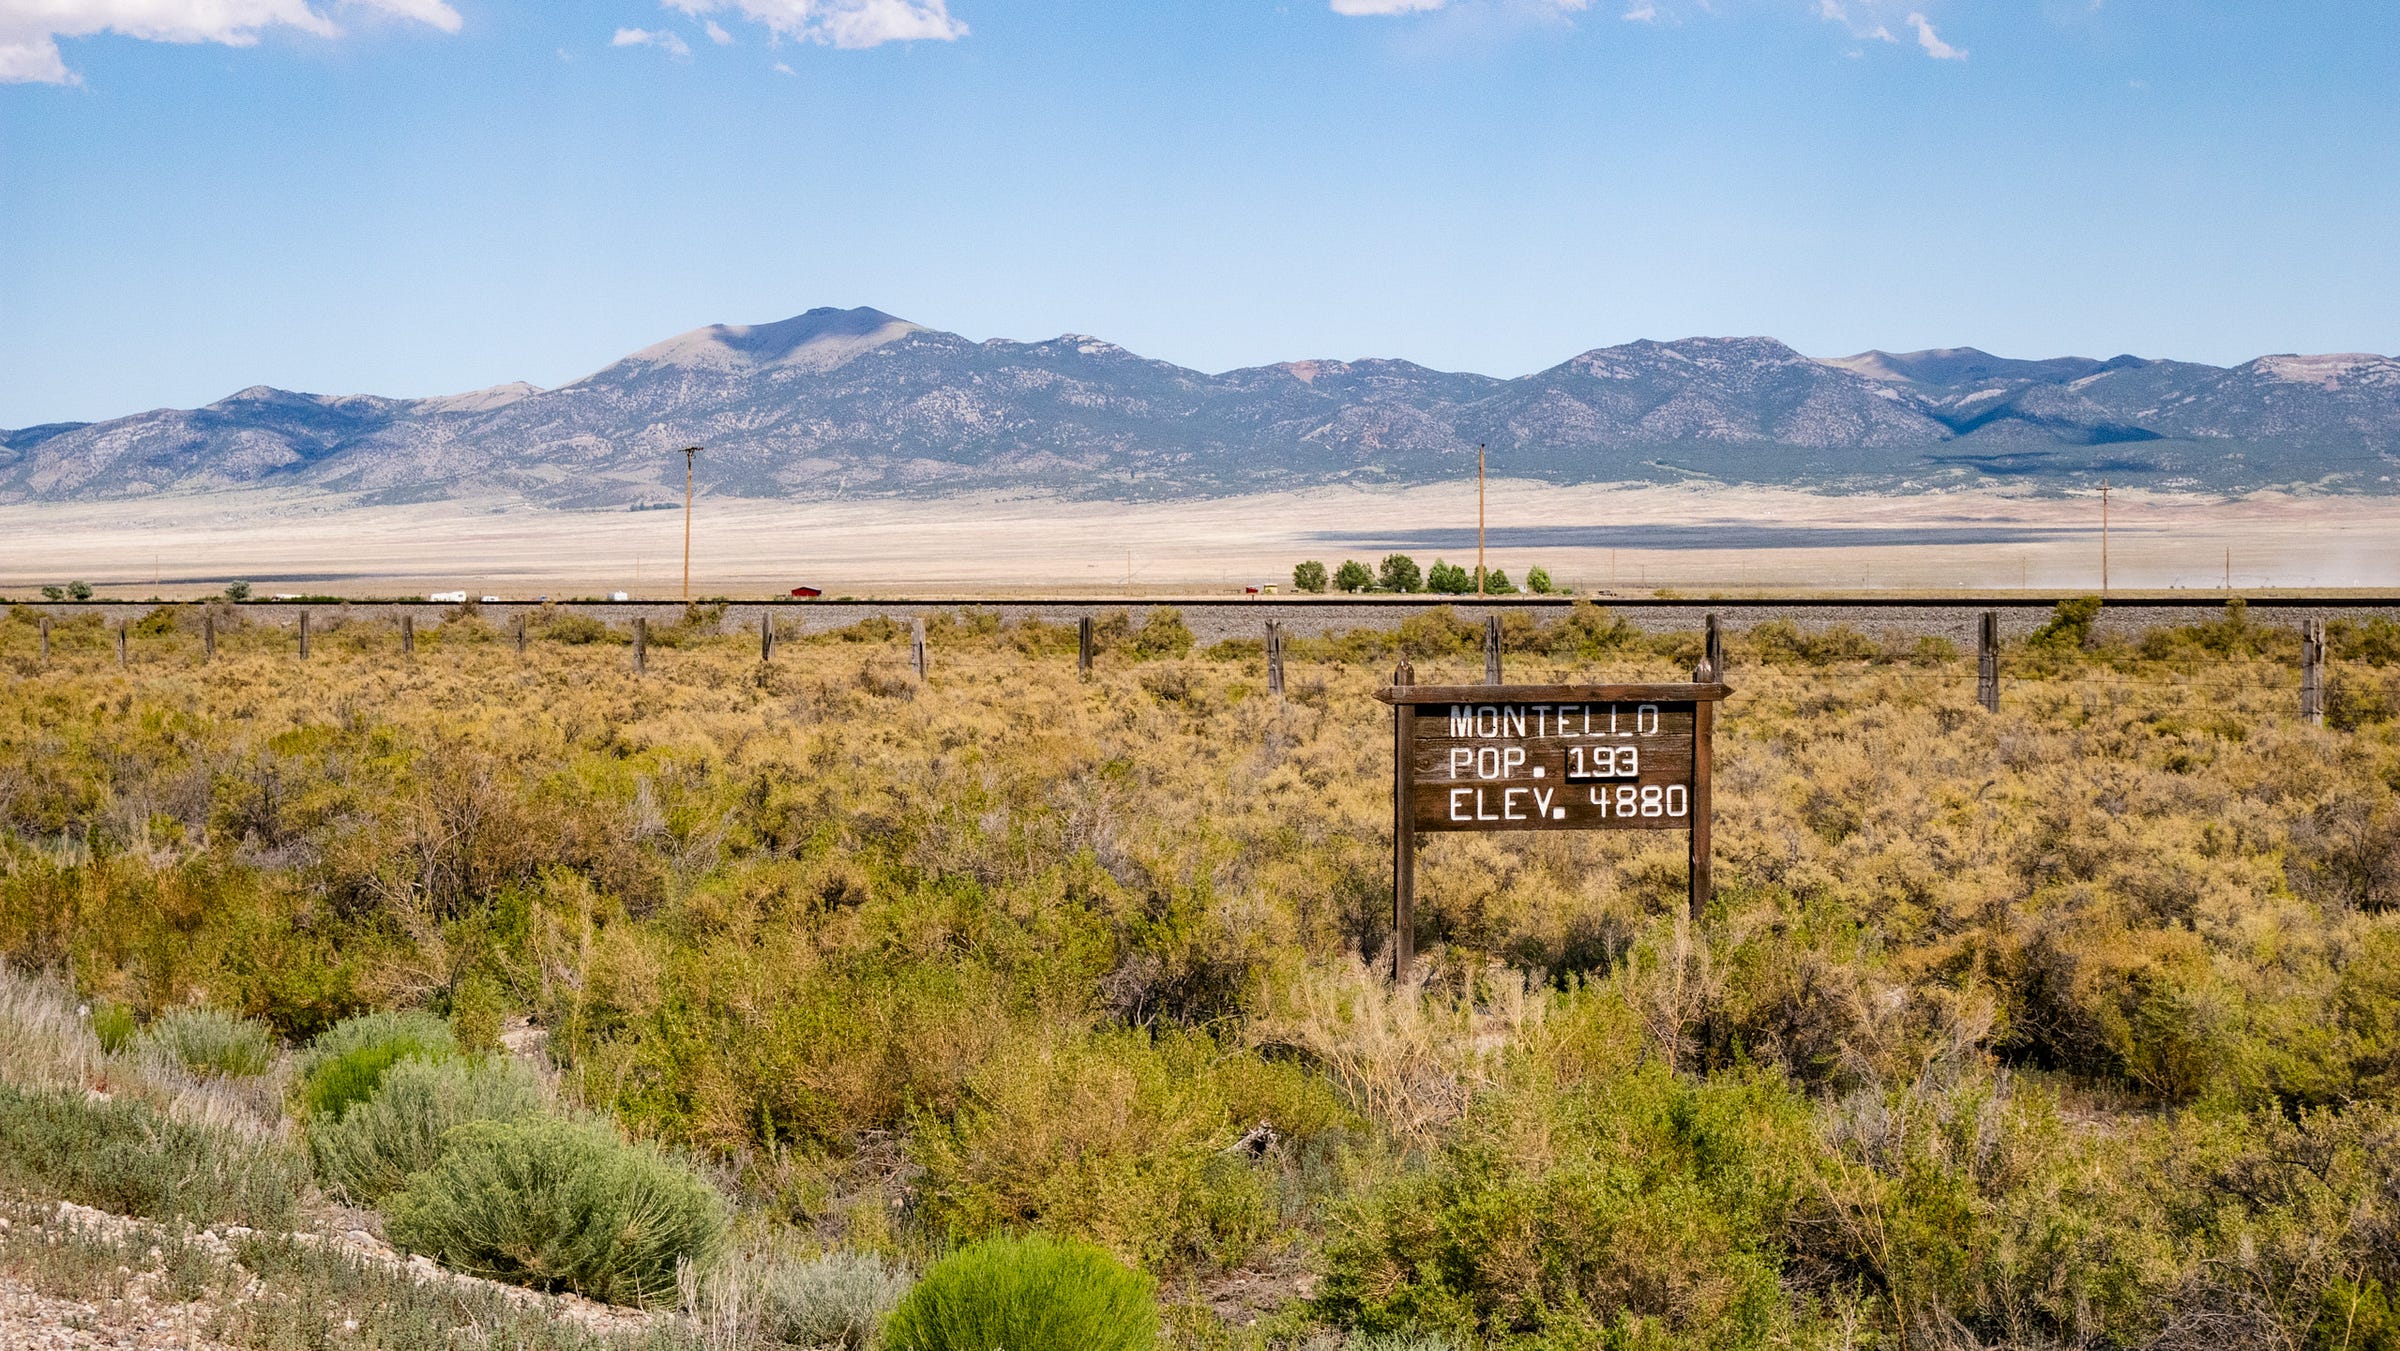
858 401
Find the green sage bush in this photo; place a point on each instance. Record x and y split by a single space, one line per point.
368 1151
1027 1294
558 1205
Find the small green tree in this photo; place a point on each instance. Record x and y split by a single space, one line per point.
1538 581
2070 626
1309 577
1448 579
1399 573
237 591
1496 583
54 593
1352 576
79 591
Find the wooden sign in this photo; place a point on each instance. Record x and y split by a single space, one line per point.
1546 757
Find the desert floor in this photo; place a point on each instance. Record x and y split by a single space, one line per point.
1593 537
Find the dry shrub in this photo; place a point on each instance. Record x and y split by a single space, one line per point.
1405 1057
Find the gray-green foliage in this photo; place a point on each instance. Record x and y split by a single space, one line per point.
558 1205
346 1065
835 1300
213 1042
126 1156
368 1151
1027 1294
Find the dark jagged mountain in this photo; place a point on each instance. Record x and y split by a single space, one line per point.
859 402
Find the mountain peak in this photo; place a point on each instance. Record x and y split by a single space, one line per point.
1950 366
818 340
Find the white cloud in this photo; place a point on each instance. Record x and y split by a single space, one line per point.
643 37
716 33
1642 12
30 29
1832 11
1932 41
840 23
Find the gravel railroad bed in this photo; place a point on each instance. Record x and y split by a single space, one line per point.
1212 620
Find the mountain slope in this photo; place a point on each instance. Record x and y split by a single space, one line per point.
857 401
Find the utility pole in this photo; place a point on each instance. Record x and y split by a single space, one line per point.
2229 570
2104 537
1479 521
689 453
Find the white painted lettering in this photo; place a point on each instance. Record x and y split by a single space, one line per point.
1457 796
1462 720
1509 811
1460 758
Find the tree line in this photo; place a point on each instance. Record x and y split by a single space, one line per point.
1399 573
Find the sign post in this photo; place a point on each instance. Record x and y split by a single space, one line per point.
1546 757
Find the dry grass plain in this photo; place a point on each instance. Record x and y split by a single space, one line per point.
2078 1025
1592 537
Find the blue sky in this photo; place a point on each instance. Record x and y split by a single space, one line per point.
423 196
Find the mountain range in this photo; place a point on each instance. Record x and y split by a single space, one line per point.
857 402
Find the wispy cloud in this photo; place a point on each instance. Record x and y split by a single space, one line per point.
716 33
839 23
1866 28
665 41
1932 41
30 29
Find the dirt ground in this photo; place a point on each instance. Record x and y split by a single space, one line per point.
1591 537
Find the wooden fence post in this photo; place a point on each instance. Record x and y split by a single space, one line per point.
1987 661
1274 658
916 645
1704 716
1712 652
121 645
766 636
208 637
1491 649
641 644
1404 831
304 635
45 640
1083 647
408 634
520 633
2312 671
